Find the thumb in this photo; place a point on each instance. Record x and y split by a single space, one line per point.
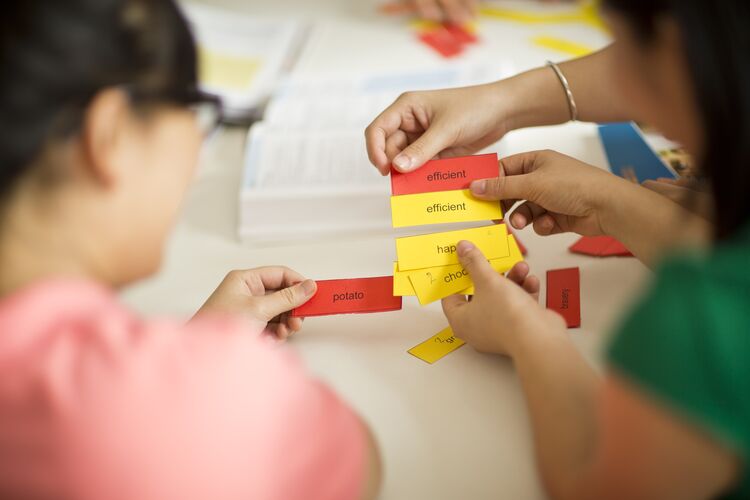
434 140
474 261
287 299
514 187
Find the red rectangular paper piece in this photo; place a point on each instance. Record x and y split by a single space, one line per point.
460 34
450 174
348 296
443 42
616 248
600 246
564 294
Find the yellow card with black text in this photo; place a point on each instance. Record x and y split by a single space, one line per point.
437 346
439 249
441 207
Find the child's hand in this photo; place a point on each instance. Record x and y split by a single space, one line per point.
502 310
264 295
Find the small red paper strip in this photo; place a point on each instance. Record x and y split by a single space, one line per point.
564 294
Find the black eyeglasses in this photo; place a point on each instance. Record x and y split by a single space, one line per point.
207 107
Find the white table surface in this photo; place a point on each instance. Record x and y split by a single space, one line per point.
455 429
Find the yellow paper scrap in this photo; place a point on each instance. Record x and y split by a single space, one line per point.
435 283
226 71
401 284
514 258
566 46
437 346
441 207
588 14
439 249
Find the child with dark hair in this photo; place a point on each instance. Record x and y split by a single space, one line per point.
101 123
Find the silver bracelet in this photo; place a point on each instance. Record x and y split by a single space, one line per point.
564 81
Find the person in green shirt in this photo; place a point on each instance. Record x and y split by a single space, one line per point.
670 415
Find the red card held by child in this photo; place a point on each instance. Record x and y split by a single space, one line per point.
350 296
450 174
564 294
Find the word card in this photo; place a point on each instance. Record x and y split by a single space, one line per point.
350 296
437 346
600 246
439 249
442 207
450 174
564 294
435 283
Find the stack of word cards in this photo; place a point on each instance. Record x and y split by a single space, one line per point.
427 265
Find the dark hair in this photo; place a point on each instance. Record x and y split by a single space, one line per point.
716 39
57 55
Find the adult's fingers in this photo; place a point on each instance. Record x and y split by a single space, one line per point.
525 213
435 139
377 133
429 9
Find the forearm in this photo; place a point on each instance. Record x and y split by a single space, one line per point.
651 225
537 98
561 391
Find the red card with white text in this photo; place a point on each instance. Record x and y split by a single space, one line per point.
450 174
350 296
564 294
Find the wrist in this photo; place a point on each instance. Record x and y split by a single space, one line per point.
544 331
532 99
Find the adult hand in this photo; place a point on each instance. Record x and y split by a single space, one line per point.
420 126
562 194
265 296
454 11
502 310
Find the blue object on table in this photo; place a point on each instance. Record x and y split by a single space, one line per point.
629 154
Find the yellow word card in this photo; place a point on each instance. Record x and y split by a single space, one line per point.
435 283
439 249
441 207
437 346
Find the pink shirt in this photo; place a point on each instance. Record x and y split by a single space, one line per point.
96 403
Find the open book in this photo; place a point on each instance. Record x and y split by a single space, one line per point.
241 57
306 170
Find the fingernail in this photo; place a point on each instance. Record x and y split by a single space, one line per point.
519 221
308 286
403 162
478 187
464 247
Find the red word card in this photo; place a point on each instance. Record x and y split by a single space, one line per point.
450 174
349 296
600 246
564 294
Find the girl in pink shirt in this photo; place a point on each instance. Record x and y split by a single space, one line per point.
100 127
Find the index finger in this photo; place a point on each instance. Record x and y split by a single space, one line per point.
274 277
383 126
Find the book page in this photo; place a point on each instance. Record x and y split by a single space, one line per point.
324 159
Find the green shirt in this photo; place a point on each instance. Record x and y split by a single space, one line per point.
688 344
